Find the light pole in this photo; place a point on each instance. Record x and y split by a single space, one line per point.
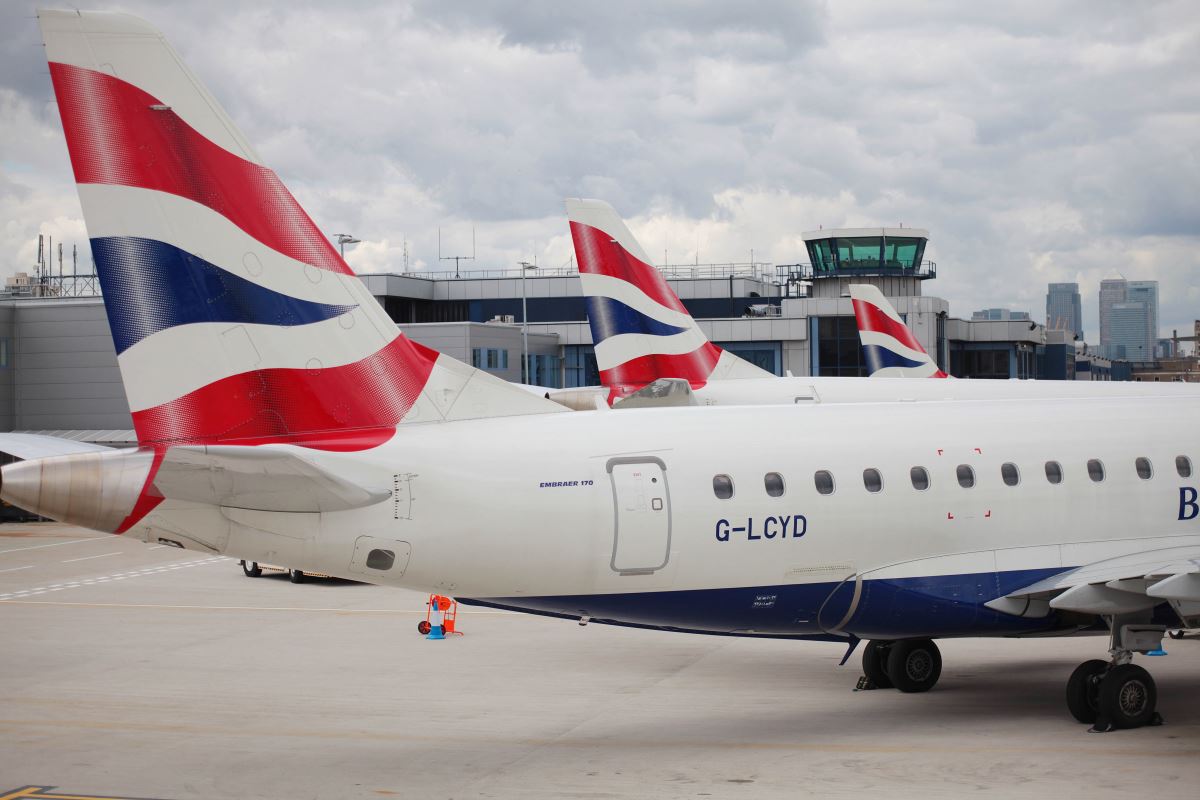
344 239
526 376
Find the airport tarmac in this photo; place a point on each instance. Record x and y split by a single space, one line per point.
133 671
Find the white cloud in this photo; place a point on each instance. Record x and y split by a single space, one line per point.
1038 141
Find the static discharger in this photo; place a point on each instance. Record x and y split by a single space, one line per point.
441 616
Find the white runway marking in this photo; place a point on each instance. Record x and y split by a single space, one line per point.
54 544
76 583
89 558
14 569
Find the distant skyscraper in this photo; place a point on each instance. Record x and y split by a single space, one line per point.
1064 309
1112 291
1146 292
1129 326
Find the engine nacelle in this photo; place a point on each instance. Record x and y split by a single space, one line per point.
93 490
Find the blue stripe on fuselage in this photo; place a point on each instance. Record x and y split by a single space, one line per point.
150 286
877 357
609 317
889 608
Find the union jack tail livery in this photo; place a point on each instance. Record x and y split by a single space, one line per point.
888 345
233 316
641 330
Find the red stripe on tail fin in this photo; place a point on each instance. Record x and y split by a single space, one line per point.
350 407
116 136
598 254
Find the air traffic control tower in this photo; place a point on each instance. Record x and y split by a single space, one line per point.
891 258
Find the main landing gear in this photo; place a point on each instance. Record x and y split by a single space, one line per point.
910 665
1115 694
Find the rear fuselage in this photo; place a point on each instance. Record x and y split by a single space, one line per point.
617 515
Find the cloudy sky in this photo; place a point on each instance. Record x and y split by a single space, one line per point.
1037 141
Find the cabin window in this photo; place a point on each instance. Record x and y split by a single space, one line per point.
920 478
1010 473
823 479
381 559
872 480
723 487
773 482
1145 470
1054 472
966 476
1183 465
1095 469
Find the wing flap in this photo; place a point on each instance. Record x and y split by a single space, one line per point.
1125 584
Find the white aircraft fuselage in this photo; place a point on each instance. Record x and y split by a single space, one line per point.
613 515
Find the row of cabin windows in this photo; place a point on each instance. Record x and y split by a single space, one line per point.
964 473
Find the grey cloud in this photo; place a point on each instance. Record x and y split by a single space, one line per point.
1037 141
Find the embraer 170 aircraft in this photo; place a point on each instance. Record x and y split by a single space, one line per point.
643 334
282 418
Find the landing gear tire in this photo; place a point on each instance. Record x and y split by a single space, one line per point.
874 663
914 665
296 575
1083 690
251 568
1175 634
423 627
1126 699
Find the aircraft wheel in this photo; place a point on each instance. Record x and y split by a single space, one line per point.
1127 697
874 663
296 575
914 665
1083 690
423 627
1175 634
251 568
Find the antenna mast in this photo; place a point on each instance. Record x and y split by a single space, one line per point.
456 259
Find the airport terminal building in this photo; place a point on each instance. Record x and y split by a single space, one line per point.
58 365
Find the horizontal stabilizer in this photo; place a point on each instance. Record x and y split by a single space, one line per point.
662 393
35 445
261 478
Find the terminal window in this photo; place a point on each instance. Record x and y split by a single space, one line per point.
837 348
493 358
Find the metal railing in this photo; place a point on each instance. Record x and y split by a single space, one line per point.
866 269
55 286
756 270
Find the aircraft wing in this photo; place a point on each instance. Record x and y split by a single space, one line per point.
259 478
1121 585
36 445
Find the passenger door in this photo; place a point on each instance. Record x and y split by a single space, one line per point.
642 514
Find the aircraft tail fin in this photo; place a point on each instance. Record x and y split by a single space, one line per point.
641 330
888 345
234 318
